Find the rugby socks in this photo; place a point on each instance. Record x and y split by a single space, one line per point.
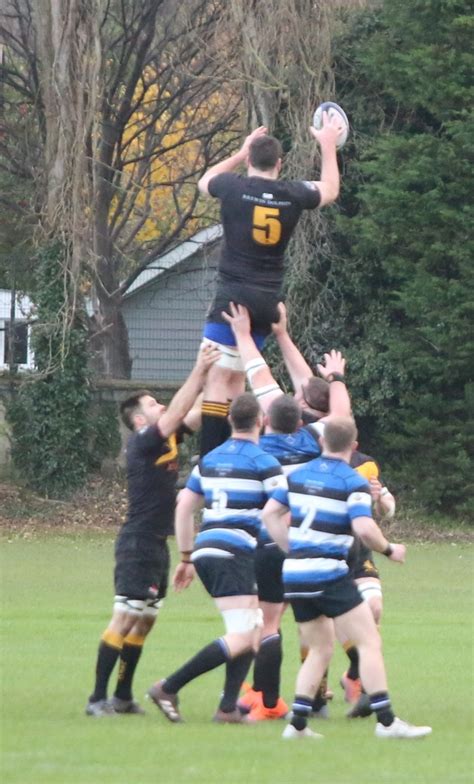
210 657
215 428
301 711
320 699
266 673
353 656
109 651
129 657
235 673
381 705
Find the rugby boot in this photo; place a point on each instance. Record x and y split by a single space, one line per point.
361 709
126 706
291 733
352 688
249 699
99 709
261 713
401 729
231 717
167 703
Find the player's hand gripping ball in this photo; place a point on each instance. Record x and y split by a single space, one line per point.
332 109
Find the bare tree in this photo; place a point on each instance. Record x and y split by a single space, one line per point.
283 64
125 98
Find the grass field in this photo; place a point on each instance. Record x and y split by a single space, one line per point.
56 600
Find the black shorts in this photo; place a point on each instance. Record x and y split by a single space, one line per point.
335 600
141 567
261 303
268 569
233 576
360 561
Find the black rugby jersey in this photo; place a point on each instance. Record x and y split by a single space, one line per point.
152 471
258 216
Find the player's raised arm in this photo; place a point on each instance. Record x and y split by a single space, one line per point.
326 137
184 398
296 365
333 370
230 163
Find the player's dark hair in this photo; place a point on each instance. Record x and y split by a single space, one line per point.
284 414
339 434
244 413
316 394
264 152
130 406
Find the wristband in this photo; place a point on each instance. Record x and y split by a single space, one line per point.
335 377
384 491
388 550
186 561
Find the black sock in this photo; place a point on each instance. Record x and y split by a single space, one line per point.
129 658
208 658
215 427
301 710
235 672
267 668
381 705
353 671
107 655
320 699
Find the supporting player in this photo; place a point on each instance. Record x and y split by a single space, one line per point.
292 445
259 214
233 482
141 551
313 522
367 578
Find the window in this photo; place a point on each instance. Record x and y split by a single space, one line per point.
20 356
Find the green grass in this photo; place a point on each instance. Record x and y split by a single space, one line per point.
56 597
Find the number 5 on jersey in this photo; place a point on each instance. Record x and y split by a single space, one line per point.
266 228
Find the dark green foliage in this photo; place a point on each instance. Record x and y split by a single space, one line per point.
402 277
54 444
104 433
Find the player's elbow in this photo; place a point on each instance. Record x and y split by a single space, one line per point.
202 185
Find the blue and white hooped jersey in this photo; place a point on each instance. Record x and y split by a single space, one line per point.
293 451
236 480
324 497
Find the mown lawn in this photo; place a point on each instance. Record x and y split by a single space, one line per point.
56 599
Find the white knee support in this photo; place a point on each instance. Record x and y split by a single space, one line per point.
229 358
242 621
369 590
131 606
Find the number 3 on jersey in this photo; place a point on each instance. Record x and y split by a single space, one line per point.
266 228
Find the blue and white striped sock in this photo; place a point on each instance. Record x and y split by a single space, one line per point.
381 705
301 708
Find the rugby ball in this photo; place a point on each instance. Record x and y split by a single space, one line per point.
332 109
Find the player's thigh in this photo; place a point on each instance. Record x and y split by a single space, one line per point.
358 625
318 633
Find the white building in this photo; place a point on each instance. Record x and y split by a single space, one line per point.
23 353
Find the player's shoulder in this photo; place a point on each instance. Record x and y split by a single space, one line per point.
221 183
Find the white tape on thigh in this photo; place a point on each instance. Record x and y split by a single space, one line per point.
270 389
132 606
152 606
229 358
241 621
369 590
253 366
